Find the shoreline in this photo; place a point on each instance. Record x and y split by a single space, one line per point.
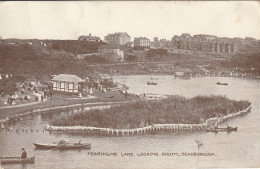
61 100
196 76
151 128
57 108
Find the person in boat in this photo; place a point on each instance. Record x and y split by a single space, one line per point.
228 126
24 154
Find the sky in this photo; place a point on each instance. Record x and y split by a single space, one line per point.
70 19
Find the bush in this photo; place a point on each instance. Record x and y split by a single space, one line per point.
8 86
95 59
174 109
108 83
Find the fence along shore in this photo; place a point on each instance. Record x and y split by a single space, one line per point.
149 129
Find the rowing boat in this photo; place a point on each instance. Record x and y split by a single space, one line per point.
227 129
222 129
151 83
66 146
15 160
211 130
219 83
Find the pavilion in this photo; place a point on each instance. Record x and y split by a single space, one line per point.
67 83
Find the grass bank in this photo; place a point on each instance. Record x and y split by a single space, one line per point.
174 109
61 100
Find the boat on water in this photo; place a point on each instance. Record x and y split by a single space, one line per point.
219 83
17 160
227 129
151 83
211 130
65 146
182 75
218 129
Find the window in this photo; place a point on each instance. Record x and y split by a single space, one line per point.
54 85
70 87
62 86
58 86
66 87
76 87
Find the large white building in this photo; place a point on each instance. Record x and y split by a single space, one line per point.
141 41
118 38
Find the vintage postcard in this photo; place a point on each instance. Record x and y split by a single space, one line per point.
129 85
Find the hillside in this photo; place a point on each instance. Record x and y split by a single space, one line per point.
250 62
75 46
38 62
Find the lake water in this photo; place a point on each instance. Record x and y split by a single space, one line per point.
235 149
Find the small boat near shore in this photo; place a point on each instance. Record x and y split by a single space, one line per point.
211 130
17 160
219 83
151 83
227 129
182 75
66 146
218 129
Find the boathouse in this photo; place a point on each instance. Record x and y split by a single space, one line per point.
67 83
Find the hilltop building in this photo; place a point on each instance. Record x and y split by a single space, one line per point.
204 43
118 38
203 36
141 41
89 38
155 43
162 43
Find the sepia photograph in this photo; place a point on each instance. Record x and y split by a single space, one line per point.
129 84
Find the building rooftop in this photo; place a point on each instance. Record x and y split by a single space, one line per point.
89 37
67 78
118 34
141 38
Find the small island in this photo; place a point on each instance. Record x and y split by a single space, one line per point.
171 110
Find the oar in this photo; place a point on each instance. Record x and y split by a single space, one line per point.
4 156
8 157
54 148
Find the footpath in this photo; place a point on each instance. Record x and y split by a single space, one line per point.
22 105
60 107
